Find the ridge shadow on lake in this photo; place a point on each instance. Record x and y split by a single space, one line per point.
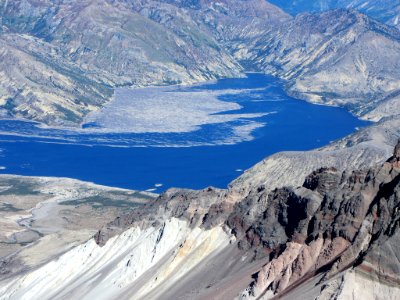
214 154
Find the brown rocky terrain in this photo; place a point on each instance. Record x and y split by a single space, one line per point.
335 222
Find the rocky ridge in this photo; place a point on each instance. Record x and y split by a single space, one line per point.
333 235
336 224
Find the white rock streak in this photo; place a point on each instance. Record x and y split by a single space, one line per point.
92 272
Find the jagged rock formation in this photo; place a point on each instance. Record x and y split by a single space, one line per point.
335 235
330 223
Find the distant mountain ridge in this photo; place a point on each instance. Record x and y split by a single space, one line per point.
386 11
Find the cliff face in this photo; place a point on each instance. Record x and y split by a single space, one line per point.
333 222
335 235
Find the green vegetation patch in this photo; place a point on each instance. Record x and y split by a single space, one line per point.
101 201
9 105
68 114
136 195
7 207
18 187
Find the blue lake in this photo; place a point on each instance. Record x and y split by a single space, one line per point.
210 156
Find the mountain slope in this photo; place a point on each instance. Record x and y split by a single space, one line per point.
79 51
386 11
338 57
230 21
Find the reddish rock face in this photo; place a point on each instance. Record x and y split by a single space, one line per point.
395 159
396 155
322 180
335 221
397 151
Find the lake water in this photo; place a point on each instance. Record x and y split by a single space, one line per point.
205 141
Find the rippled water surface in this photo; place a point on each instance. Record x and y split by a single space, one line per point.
205 135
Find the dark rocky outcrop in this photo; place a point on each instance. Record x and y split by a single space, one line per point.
335 221
200 208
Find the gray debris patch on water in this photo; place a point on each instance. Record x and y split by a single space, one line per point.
172 116
166 110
